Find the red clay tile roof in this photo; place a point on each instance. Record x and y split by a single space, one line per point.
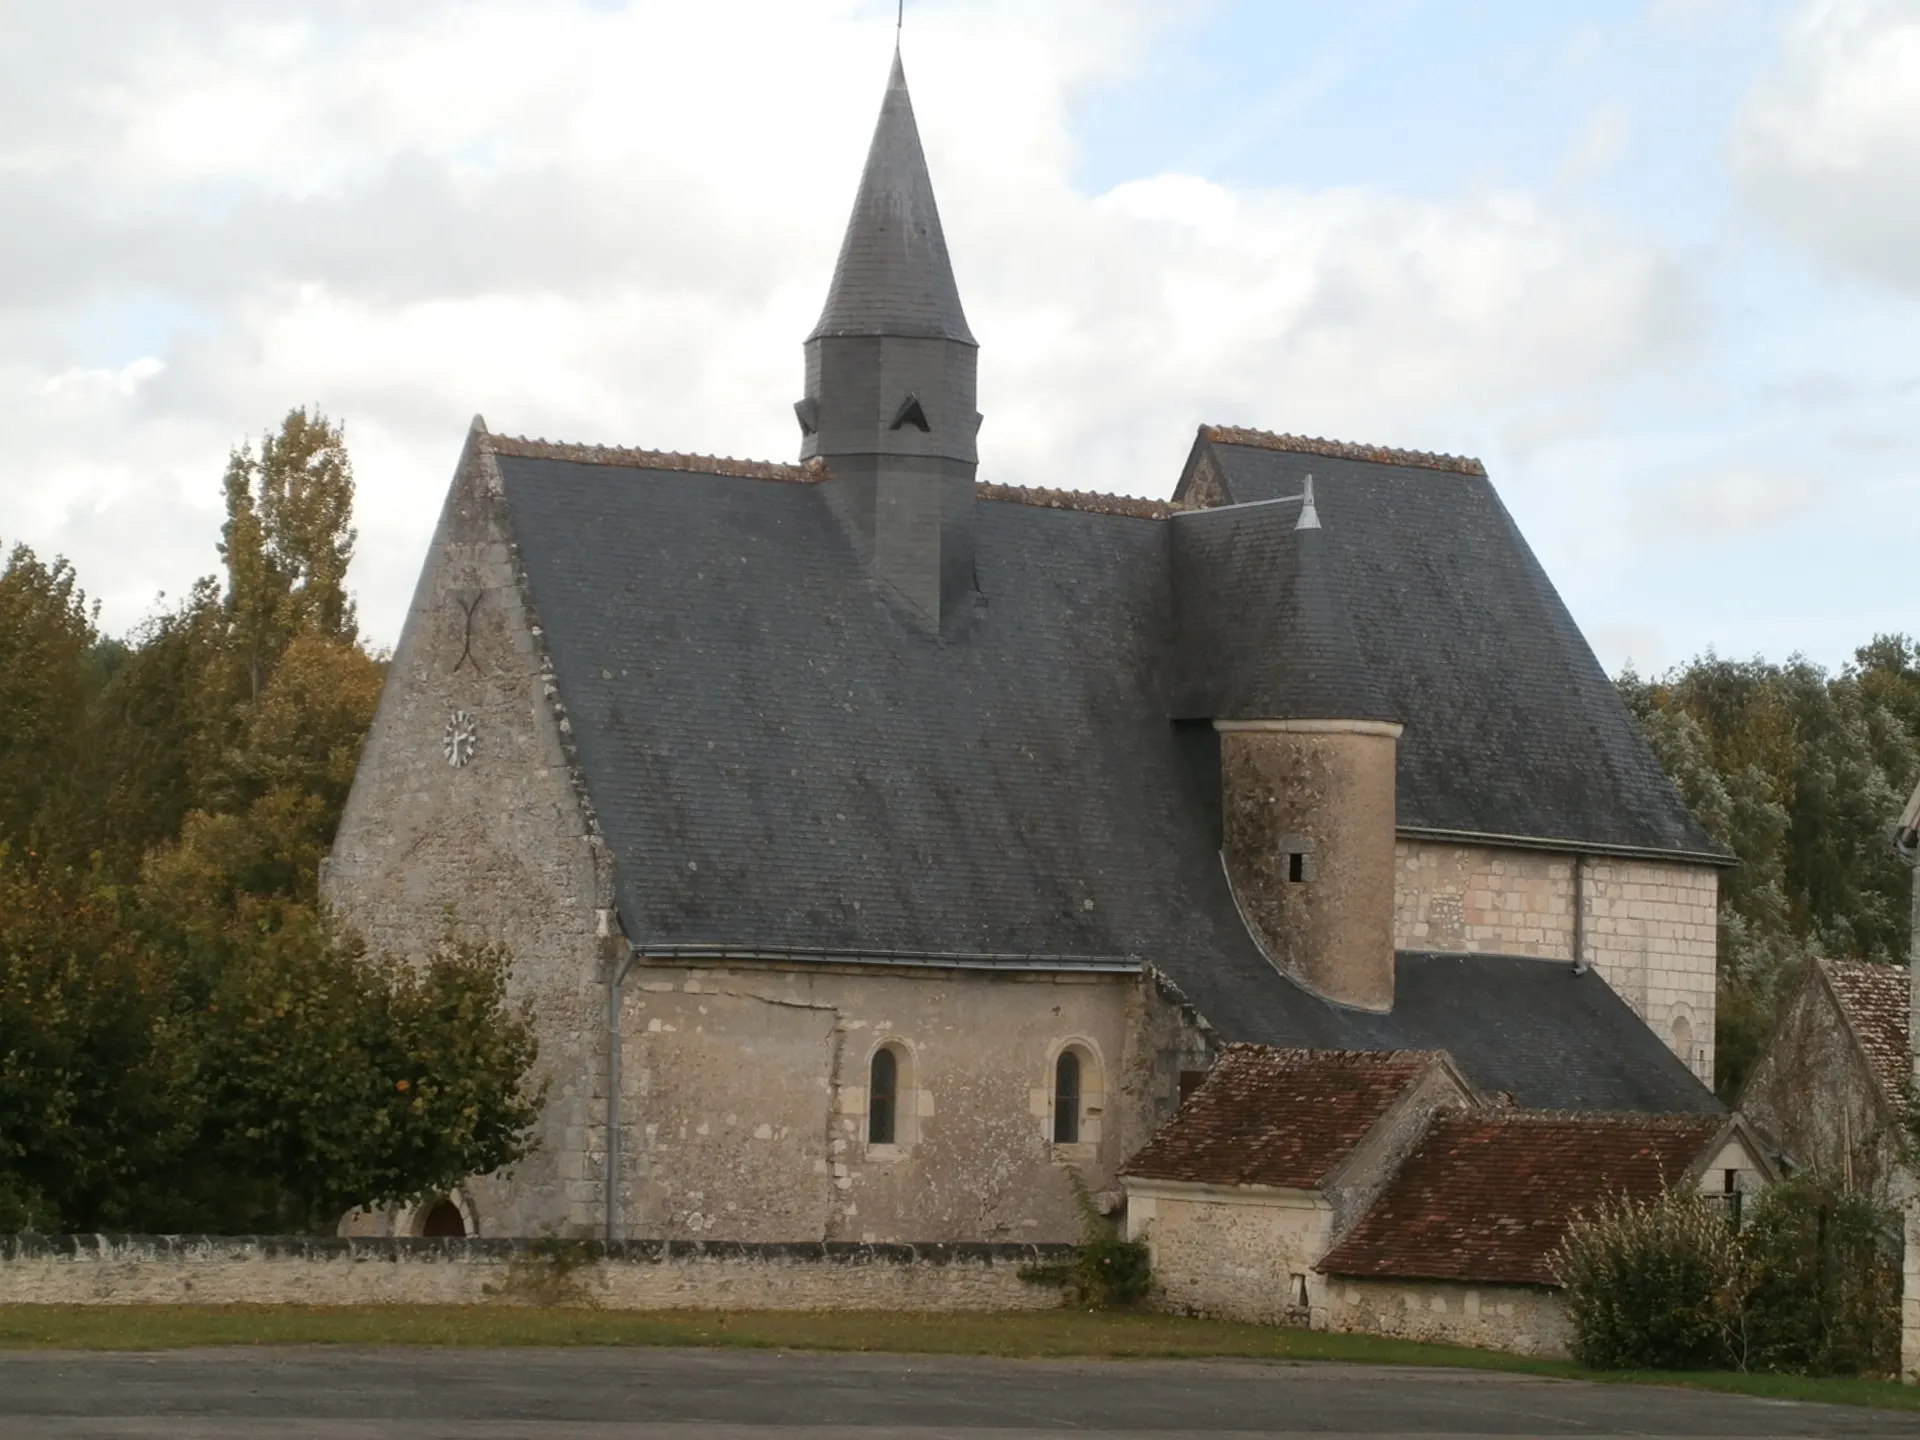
1877 1005
1487 1196
1341 449
1278 1117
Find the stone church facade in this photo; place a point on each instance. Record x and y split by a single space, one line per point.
876 845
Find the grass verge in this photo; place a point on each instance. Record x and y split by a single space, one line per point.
1020 1335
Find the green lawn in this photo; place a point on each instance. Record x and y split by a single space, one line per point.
1022 1334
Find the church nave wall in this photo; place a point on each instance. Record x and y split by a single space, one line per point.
747 1109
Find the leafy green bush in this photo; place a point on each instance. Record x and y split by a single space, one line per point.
1108 1272
1810 1284
1647 1283
1822 1284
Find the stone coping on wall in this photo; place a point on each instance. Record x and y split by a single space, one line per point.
636 1252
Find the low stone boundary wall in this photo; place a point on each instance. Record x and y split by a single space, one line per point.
635 1275
1523 1319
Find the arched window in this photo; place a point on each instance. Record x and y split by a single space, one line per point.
883 1095
1066 1098
1683 1038
444 1221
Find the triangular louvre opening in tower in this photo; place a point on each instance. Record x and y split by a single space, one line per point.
910 413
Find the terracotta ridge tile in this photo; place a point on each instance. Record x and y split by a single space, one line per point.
1087 501
1342 449
632 458
1617 1119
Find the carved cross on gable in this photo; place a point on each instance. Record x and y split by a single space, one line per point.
468 601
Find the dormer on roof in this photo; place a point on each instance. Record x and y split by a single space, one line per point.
891 380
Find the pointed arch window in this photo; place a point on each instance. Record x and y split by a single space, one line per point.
883 1097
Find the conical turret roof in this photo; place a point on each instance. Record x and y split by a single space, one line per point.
893 276
1264 635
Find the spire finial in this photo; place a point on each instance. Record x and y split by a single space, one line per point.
1309 516
899 22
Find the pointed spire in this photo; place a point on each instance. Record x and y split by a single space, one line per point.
893 276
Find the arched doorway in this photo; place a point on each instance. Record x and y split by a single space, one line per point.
444 1221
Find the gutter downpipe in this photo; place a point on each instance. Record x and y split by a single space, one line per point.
1580 966
616 978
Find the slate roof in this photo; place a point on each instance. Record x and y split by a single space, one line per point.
1487 1197
781 762
1279 1117
1512 727
894 276
1876 1000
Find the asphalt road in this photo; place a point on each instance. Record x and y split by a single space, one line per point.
609 1394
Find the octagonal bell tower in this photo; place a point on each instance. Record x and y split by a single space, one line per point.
890 387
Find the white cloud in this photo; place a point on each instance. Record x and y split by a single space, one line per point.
1727 501
617 224
1600 146
1828 145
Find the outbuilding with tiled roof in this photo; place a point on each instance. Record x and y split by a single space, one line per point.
1243 1190
1830 1087
1459 1245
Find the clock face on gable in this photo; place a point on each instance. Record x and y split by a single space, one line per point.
458 739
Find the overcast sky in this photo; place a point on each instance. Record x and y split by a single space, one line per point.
1656 261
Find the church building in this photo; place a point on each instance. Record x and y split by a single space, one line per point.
877 844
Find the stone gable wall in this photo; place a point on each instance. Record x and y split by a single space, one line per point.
1811 1095
1651 927
503 848
639 1275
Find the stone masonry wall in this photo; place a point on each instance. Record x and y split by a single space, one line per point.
744 1103
1522 1319
650 1275
1810 1093
1909 1182
1326 798
1651 927
1910 1297
502 847
1233 1254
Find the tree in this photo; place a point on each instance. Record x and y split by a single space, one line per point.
287 542
185 1042
92 1077
282 787
46 637
333 1079
153 738
1799 774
